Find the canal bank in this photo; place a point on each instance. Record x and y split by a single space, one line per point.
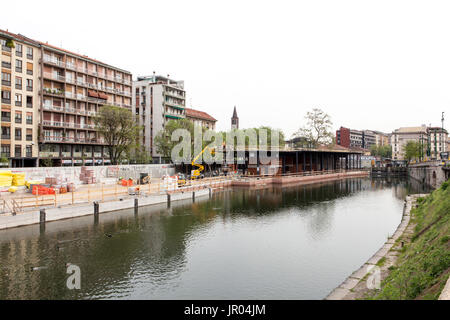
357 283
47 214
415 262
290 242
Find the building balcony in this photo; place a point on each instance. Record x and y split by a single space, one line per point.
48 154
175 105
6 101
56 91
53 61
173 116
54 76
47 123
6 83
49 107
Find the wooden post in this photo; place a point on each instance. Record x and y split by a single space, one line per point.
72 197
55 199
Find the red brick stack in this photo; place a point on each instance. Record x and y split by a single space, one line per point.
87 175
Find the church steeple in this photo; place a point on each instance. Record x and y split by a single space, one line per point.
234 120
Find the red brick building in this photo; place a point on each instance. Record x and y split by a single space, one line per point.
343 137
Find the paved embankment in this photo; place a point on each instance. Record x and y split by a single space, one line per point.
445 294
87 208
73 211
300 179
355 285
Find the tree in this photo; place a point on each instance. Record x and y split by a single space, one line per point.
119 130
411 150
381 151
163 142
318 128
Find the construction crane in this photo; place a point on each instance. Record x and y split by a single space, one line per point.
196 172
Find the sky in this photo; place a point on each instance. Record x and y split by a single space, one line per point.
376 65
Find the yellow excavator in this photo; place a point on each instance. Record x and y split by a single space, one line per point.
196 172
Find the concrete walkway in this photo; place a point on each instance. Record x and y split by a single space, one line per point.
79 210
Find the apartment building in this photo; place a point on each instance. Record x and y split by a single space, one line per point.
74 87
433 140
201 118
437 141
351 138
19 99
56 95
156 100
401 136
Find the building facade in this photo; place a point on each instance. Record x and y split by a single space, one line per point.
201 118
74 87
155 101
351 138
19 99
438 141
61 93
401 136
433 140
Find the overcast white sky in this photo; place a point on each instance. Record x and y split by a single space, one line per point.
369 64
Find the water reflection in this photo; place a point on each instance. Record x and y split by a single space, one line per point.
274 243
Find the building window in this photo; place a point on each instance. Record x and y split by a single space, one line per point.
6 150
6 79
18 134
17 150
18 100
19 50
6 97
18 117
29 85
29 151
18 65
6 116
29 68
6 133
29 136
29 118
29 53
6 64
29 102
19 83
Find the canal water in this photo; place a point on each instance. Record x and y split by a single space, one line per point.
296 242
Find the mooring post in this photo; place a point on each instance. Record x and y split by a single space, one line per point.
193 196
96 207
42 216
168 200
136 205
210 193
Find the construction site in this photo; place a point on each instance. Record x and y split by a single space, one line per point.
27 192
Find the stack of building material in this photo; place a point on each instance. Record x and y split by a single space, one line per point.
6 179
87 175
18 179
